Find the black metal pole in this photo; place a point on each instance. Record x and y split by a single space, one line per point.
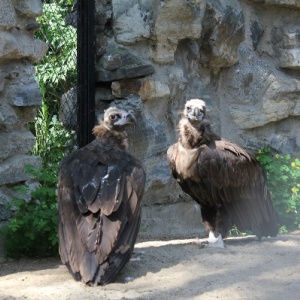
86 71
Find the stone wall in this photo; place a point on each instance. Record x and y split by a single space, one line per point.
241 57
19 93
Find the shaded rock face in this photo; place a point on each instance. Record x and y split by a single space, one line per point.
20 96
222 34
241 57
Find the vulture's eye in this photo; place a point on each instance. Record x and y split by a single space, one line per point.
188 108
115 117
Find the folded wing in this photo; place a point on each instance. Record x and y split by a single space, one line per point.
100 190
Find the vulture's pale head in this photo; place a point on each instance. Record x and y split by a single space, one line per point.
117 119
195 110
114 122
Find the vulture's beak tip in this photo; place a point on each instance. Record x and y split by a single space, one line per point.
130 119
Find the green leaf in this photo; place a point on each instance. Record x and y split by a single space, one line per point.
282 179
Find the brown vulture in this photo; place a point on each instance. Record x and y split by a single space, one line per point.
227 182
99 202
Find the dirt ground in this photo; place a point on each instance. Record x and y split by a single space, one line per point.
172 269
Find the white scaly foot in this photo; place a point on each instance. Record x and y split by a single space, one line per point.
215 242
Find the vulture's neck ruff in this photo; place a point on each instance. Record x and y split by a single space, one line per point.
113 126
193 130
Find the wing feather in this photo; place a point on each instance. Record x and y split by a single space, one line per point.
236 181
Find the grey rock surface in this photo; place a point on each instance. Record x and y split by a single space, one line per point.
241 57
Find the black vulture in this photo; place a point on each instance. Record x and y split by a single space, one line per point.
225 180
100 190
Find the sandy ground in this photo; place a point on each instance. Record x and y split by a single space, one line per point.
172 269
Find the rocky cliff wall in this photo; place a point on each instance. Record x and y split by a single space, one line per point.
19 93
241 57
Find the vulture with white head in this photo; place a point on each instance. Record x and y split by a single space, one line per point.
99 202
226 181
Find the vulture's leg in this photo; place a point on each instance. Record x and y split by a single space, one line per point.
211 222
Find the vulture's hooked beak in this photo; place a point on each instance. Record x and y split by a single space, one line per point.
130 119
196 114
126 118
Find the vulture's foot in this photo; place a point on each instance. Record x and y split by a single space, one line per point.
214 242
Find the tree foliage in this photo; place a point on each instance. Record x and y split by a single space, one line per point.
32 230
283 175
56 73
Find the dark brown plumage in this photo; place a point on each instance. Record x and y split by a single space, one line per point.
223 178
99 201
